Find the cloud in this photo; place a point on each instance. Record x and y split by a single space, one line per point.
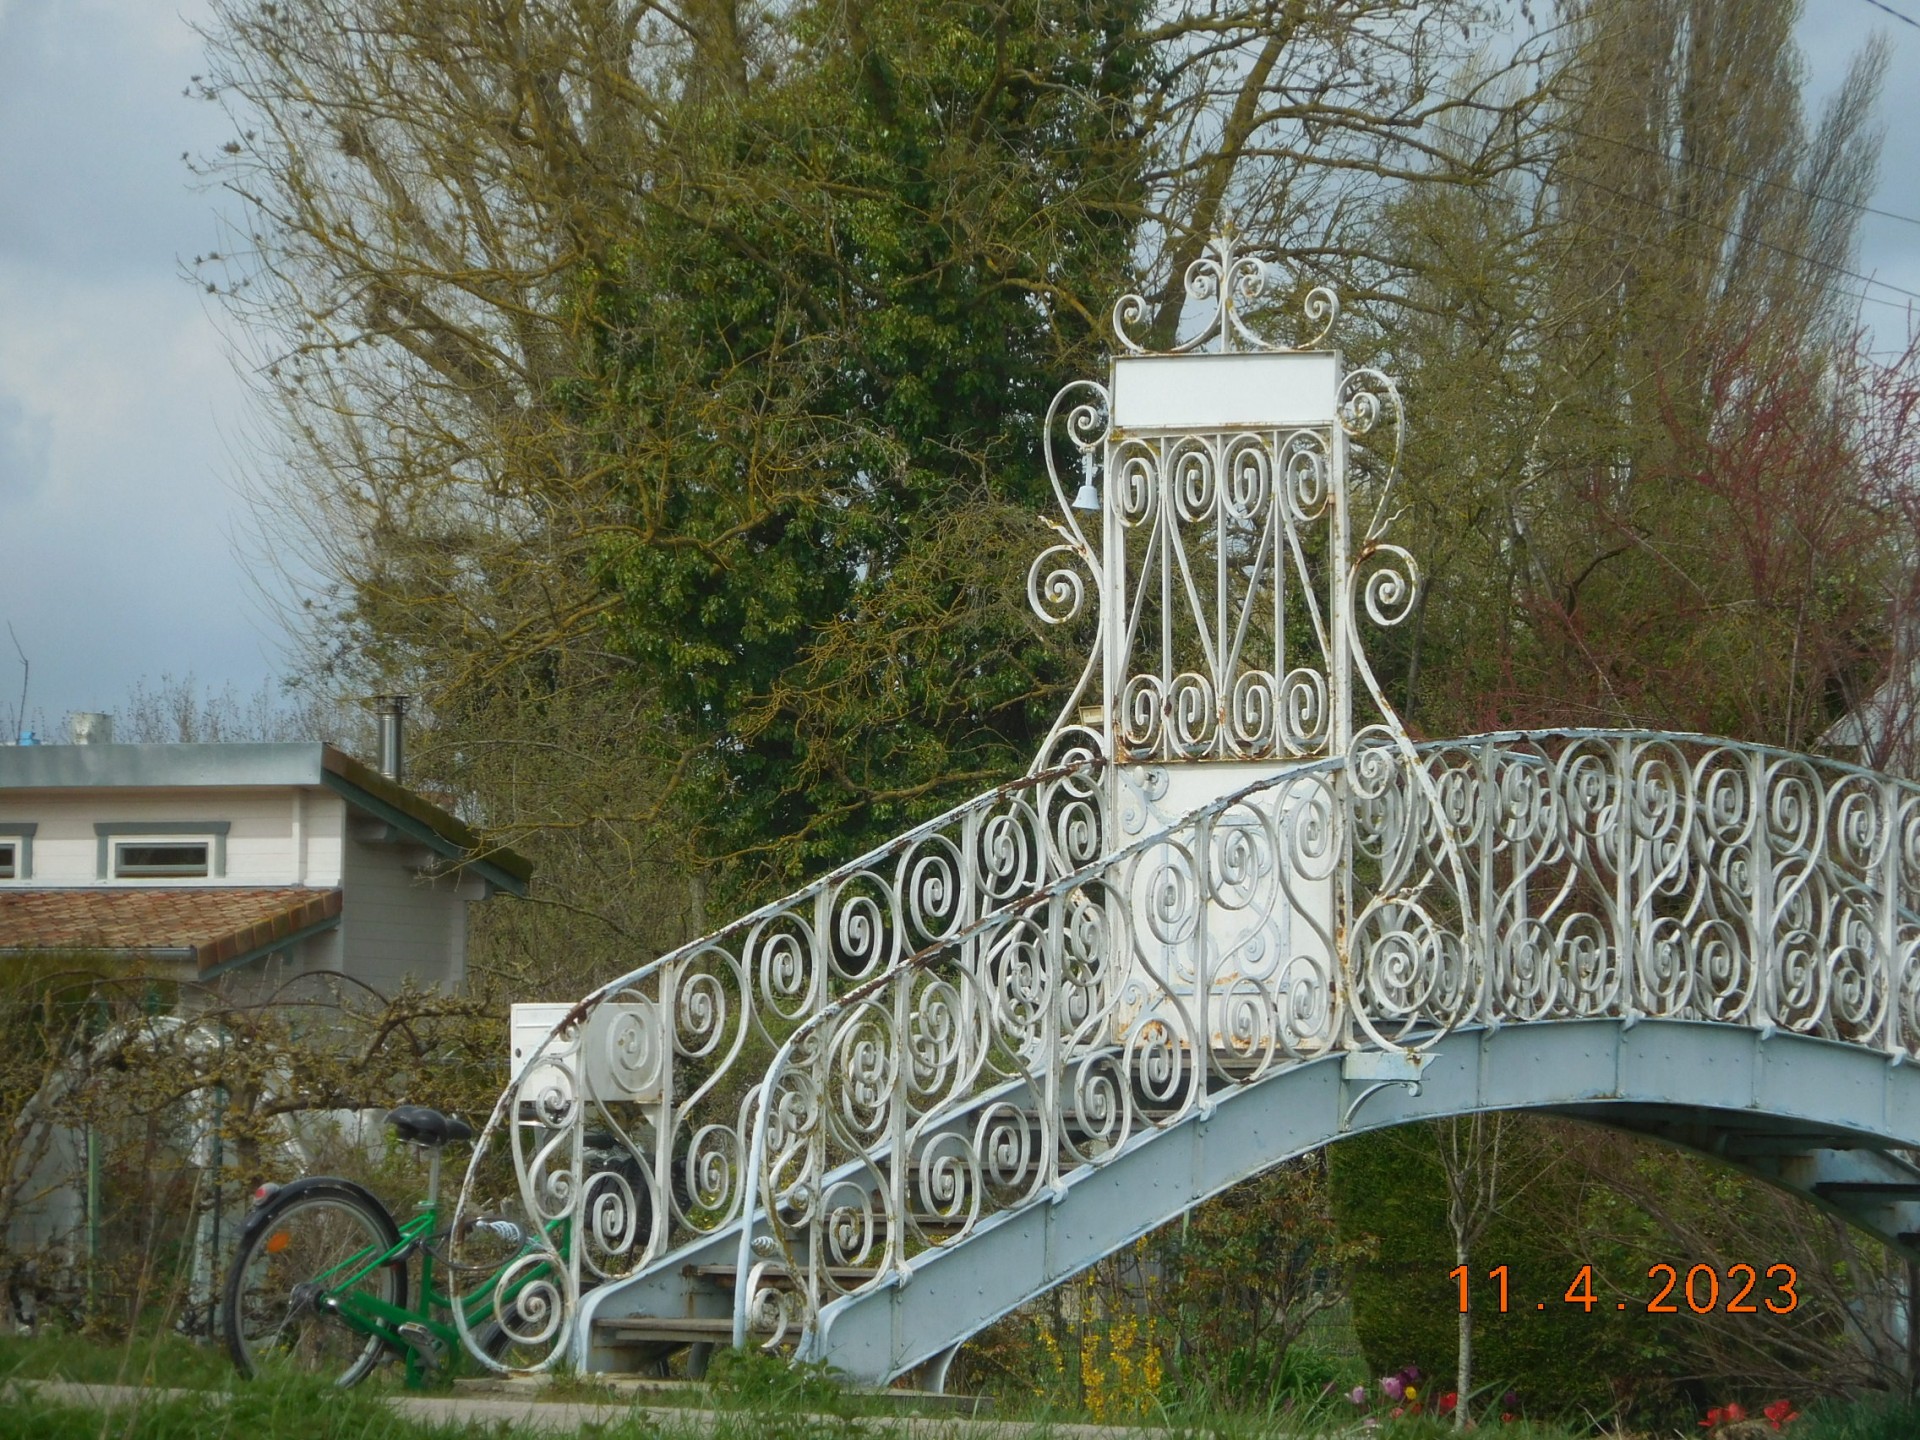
25 439
92 126
116 399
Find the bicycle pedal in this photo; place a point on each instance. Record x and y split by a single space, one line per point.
427 1345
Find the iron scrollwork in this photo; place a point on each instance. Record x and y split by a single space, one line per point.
1608 874
967 1020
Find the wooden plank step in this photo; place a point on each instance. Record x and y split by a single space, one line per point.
689 1329
841 1274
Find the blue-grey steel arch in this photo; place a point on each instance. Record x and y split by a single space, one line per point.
1701 1085
1223 920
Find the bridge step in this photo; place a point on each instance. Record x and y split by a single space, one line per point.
704 1276
707 1275
676 1330
1870 1189
724 1275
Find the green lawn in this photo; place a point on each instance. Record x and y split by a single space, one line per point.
751 1399
157 1359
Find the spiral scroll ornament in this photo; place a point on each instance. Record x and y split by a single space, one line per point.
1222 285
1224 566
629 1179
1027 949
1229 857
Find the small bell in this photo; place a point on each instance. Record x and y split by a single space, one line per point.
1089 497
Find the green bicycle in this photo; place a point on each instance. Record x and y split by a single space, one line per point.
319 1283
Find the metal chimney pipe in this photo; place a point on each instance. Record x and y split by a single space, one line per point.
392 710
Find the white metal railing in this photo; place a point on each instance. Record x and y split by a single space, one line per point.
623 1132
1498 879
946 1028
1226 584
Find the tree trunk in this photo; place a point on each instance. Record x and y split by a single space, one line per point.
1913 1330
1463 1365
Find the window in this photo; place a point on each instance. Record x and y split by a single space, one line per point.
161 850
161 859
16 850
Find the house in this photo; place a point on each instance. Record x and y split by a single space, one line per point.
1881 732
242 863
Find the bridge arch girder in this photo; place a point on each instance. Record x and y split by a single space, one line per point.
1708 1087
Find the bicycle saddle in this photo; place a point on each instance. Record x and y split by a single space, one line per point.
418 1125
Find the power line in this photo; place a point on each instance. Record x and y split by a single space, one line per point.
1774 246
1904 19
1778 250
1755 239
1860 297
1618 233
1745 178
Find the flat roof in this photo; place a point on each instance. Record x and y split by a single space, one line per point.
264 765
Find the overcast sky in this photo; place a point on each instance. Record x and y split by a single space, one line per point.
123 453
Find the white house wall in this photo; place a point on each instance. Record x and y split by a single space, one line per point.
287 836
396 924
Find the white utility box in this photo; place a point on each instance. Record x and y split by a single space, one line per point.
621 1050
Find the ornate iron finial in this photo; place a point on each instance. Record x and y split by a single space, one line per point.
1220 634
1232 283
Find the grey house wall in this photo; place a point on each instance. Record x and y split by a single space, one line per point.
401 919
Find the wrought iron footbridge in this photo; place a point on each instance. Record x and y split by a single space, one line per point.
1219 924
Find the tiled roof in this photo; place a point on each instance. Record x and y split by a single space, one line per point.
212 927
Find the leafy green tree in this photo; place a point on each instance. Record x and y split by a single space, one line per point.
820 367
625 345
1559 1357
1658 482
1249 1276
1583 1197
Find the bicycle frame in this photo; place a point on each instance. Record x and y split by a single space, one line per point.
372 1316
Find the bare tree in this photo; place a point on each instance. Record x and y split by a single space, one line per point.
1470 1162
439 203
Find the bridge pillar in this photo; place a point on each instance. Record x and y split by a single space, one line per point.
1214 520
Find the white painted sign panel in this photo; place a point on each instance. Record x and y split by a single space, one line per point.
1212 392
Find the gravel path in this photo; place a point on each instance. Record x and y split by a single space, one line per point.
525 1412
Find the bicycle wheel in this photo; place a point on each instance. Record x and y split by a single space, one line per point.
296 1255
498 1341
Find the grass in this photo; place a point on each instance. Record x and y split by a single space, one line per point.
749 1397
310 1411
296 1410
307 1411
1876 1419
159 1358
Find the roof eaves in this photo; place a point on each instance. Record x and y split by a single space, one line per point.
150 952
237 764
446 835
262 950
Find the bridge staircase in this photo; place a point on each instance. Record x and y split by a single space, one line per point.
1220 923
